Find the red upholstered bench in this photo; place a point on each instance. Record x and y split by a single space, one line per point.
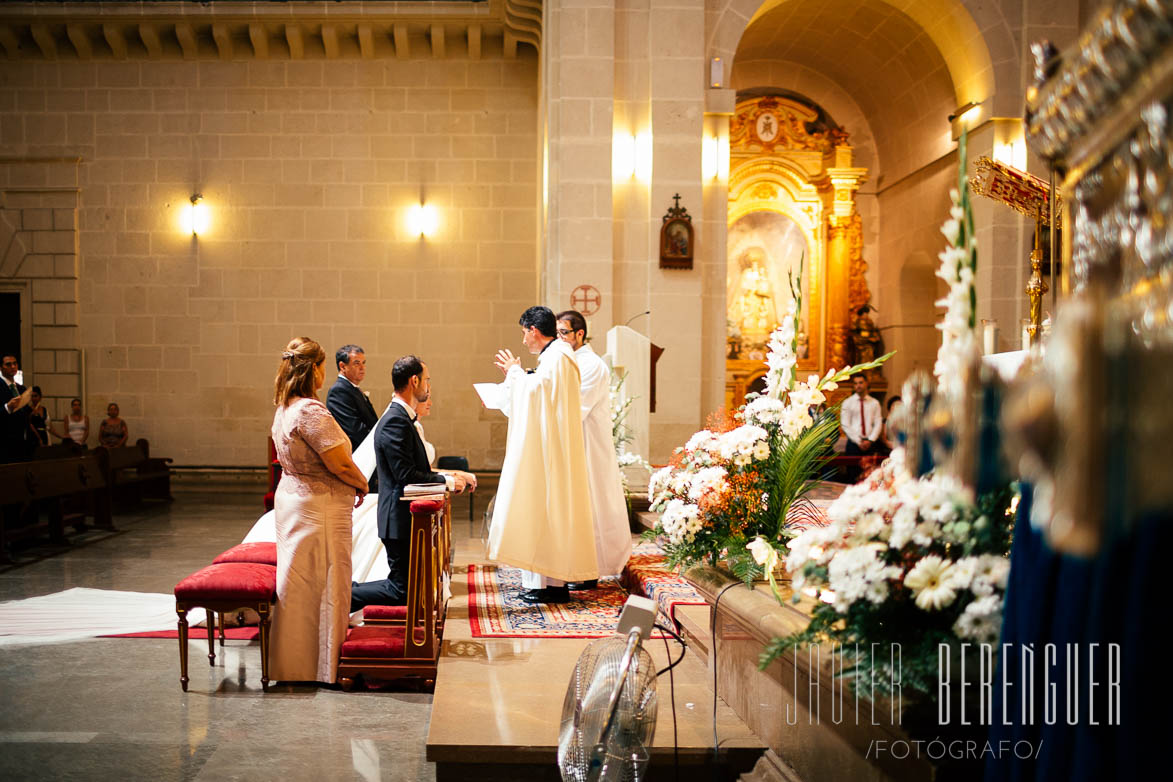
410 645
228 586
260 553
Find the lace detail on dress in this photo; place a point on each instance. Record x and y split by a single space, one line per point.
301 431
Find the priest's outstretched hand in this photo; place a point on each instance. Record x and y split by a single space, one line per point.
505 359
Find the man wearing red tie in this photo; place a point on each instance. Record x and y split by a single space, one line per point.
860 418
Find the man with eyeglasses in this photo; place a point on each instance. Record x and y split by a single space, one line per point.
612 530
542 521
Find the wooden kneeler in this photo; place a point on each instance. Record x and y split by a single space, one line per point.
397 615
222 588
410 648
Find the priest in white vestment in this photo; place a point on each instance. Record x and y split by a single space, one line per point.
612 529
542 520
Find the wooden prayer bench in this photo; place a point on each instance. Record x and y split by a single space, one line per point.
133 474
409 647
68 489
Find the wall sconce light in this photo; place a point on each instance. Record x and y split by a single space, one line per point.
194 217
716 73
1012 153
622 156
631 156
715 158
1010 143
962 110
422 220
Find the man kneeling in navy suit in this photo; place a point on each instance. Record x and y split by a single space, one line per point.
400 459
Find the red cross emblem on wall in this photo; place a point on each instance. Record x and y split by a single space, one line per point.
586 299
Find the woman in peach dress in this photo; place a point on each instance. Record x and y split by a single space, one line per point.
320 485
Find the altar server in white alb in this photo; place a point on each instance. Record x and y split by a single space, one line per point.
612 530
542 520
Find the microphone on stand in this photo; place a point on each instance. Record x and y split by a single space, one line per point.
633 317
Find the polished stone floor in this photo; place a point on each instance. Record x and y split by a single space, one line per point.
112 708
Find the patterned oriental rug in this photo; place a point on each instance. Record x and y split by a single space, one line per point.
496 610
648 574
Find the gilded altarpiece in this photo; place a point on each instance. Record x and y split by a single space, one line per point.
791 197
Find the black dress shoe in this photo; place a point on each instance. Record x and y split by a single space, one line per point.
550 594
580 586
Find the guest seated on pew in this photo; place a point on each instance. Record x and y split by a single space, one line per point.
112 432
38 419
75 426
320 485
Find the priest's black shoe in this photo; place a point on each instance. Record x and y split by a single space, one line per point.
550 594
580 586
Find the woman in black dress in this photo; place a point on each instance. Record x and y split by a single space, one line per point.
38 418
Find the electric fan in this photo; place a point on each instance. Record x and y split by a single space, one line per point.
609 715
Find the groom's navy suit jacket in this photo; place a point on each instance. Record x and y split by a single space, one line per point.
352 410
400 459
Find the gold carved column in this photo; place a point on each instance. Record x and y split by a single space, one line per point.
846 285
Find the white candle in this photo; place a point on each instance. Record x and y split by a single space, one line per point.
1025 334
989 337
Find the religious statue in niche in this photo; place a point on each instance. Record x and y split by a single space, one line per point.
866 342
753 308
676 238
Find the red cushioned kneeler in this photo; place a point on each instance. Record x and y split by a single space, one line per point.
373 642
384 615
225 587
259 553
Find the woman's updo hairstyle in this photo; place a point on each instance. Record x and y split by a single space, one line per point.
295 373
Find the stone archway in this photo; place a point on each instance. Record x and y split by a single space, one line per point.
955 29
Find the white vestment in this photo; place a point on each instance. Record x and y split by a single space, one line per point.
612 530
542 520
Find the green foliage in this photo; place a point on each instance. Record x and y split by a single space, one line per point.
800 462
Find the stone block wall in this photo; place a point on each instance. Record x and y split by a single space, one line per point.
39 260
308 170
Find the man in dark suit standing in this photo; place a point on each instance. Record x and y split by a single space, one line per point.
14 418
345 400
400 459
352 408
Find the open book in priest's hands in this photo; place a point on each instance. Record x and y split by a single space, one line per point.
424 491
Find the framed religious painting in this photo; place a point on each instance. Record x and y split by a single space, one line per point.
676 238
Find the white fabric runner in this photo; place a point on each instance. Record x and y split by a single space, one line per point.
81 613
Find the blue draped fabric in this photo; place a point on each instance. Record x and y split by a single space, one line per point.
1113 598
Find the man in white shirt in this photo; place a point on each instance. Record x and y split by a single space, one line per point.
612 529
542 520
860 418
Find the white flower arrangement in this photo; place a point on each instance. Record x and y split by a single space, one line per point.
958 269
